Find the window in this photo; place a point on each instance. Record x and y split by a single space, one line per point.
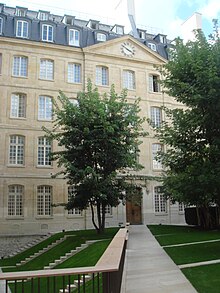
44 200
15 200
22 29
44 149
152 46
0 63
128 79
16 150
101 37
74 37
74 73
20 11
154 83
160 202
101 75
1 25
47 33
18 106
156 116
44 108
142 34
46 69
156 147
74 211
181 207
20 64
43 15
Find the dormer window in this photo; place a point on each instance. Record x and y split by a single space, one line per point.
152 46
118 29
47 33
1 25
22 29
142 34
43 15
68 19
101 37
20 11
74 37
163 39
93 24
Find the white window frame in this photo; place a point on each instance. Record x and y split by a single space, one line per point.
43 15
160 202
156 147
74 211
46 69
18 105
101 37
102 75
156 116
20 12
1 25
43 151
16 150
47 36
44 200
15 200
152 46
0 63
20 66
22 32
45 108
154 86
74 73
129 79
74 37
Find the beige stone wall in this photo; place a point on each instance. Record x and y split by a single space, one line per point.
30 175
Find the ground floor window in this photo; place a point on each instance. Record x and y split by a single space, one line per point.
160 202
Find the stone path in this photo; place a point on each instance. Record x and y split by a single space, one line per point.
148 268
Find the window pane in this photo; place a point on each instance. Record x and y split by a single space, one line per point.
156 147
73 37
101 75
44 108
20 66
16 150
73 211
44 150
18 106
15 200
44 196
74 73
128 79
160 202
156 116
47 69
1 25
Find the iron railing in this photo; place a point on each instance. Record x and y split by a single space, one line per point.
104 277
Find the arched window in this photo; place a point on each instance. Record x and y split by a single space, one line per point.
44 200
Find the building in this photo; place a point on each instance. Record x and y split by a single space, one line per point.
40 54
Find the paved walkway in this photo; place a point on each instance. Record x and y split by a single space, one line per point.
148 268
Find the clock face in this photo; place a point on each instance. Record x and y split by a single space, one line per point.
127 49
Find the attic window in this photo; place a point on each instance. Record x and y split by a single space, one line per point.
101 37
163 39
118 29
142 34
43 15
68 20
152 46
20 11
93 24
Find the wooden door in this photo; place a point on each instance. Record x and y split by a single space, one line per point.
133 213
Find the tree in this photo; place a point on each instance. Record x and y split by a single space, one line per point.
192 132
99 136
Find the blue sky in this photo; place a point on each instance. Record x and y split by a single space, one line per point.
165 16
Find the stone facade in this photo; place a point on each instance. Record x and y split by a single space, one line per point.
26 209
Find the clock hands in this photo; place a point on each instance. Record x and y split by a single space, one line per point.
128 49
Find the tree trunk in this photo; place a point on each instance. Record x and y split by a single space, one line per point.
205 218
93 217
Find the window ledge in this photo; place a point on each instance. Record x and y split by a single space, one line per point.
15 166
161 214
15 218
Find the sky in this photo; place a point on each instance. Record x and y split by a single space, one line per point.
164 16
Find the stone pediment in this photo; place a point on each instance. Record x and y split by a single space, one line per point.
127 48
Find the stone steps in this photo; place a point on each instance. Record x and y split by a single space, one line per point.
72 287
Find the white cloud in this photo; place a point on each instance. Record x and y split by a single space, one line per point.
211 9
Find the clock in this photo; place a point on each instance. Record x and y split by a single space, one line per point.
127 49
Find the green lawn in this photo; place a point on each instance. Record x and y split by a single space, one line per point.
87 257
169 235
194 253
71 242
206 279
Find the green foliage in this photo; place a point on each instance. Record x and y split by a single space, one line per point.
99 137
192 159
